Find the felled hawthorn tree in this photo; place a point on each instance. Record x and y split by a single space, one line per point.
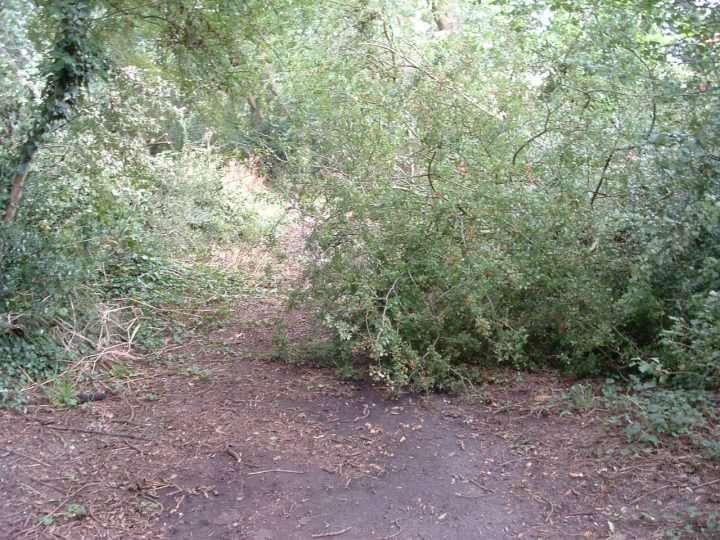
537 189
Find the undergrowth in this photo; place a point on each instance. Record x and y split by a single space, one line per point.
652 417
135 312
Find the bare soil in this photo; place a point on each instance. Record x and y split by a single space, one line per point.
216 441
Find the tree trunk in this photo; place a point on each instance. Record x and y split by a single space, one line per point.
17 183
71 62
16 192
257 113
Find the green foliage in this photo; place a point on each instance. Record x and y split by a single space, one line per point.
46 520
540 189
197 372
581 396
73 511
666 413
120 370
62 392
692 341
113 219
281 349
655 416
76 511
325 353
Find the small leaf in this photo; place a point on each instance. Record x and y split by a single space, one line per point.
46 520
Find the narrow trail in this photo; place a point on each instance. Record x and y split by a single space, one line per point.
219 442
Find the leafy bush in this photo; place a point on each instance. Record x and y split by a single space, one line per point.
484 198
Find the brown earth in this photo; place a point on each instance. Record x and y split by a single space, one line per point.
215 441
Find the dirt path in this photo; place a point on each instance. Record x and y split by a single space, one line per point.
217 442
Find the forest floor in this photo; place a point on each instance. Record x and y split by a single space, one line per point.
214 440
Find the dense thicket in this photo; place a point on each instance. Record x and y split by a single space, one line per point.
522 183
528 183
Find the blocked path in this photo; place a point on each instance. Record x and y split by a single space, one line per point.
214 441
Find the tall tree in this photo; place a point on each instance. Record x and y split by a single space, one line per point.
69 65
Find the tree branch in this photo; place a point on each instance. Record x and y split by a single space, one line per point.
447 82
596 192
533 138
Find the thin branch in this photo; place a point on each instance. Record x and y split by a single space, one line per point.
662 488
533 138
334 533
653 119
429 171
275 471
19 454
599 185
97 432
388 35
457 88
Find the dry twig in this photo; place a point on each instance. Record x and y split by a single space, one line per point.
662 488
97 432
19 454
333 533
275 471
